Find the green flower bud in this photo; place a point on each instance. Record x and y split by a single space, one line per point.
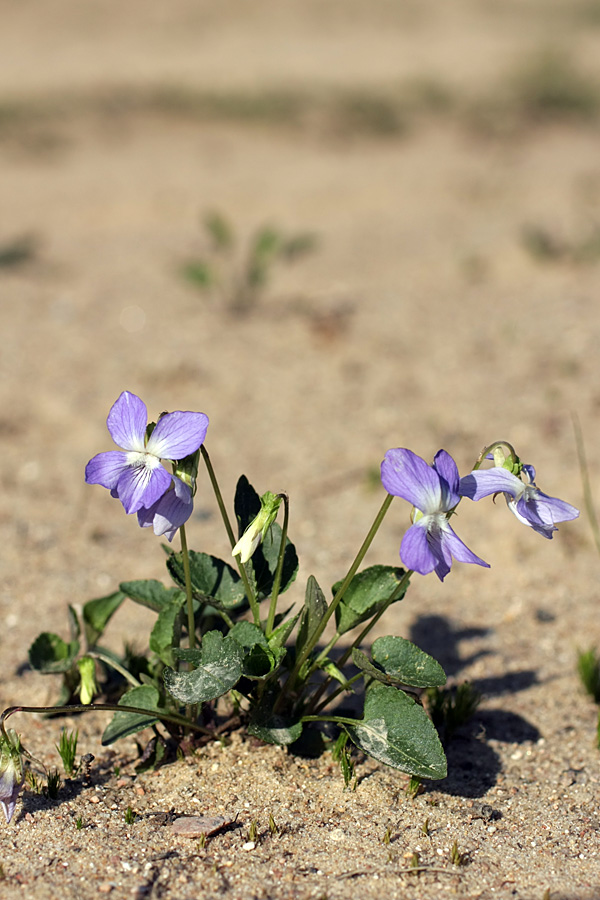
87 674
258 527
506 461
187 470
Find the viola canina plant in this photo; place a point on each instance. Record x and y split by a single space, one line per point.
224 653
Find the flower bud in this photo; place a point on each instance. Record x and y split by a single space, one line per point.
258 527
187 470
11 772
87 674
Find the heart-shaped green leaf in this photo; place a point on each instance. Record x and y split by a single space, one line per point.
219 669
397 731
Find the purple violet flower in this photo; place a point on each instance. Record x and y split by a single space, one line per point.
11 772
136 475
530 505
430 543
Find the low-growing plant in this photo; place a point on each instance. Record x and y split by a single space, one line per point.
224 652
53 784
450 709
588 666
67 749
129 816
239 276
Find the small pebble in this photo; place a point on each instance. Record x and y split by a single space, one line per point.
249 845
196 826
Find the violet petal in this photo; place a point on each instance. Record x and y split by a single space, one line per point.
169 512
447 469
406 475
483 482
106 468
127 421
142 485
415 551
178 434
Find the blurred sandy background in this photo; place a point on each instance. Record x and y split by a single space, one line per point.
446 156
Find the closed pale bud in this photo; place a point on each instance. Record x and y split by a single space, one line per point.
87 674
11 772
258 527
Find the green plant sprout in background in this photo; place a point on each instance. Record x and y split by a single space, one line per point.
67 749
588 662
237 275
225 653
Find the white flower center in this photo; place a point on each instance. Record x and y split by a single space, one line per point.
142 460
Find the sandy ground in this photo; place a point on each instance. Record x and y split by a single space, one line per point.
422 321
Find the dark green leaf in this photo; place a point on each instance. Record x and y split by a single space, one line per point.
264 563
280 634
261 568
50 654
273 729
219 670
405 663
149 592
246 503
213 581
397 731
74 623
194 656
166 630
123 724
259 660
315 607
248 635
97 613
366 594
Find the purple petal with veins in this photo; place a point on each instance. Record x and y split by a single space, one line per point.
127 421
178 434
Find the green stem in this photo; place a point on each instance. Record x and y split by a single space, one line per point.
396 593
585 480
336 693
481 458
219 498
188 589
335 602
339 720
96 654
109 707
279 569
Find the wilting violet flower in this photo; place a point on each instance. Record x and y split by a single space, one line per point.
530 505
430 543
135 474
11 772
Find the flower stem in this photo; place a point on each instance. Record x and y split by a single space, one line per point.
396 593
279 569
96 654
340 720
491 448
188 589
109 707
585 480
219 498
335 602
